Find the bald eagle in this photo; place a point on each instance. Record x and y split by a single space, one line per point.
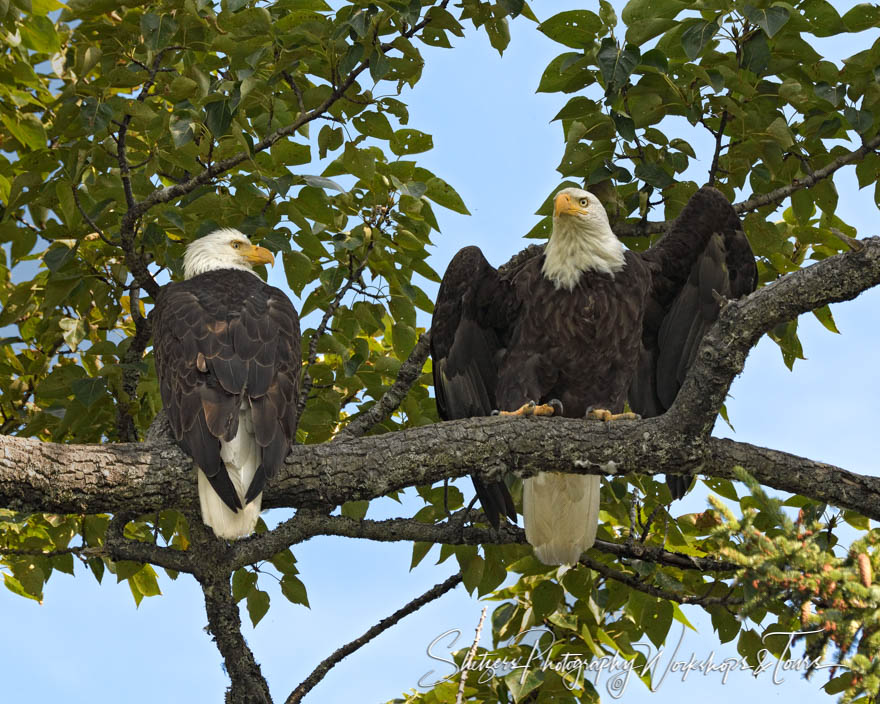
227 349
580 327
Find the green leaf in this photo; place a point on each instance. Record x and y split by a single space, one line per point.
696 36
356 510
616 64
89 390
861 17
157 30
286 152
13 585
521 684
770 19
498 30
409 141
373 124
27 129
725 624
325 183
257 605
73 331
146 581
420 549
181 130
833 94
645 19
607 13
379 66
298 269
654 174
218 117
861 120
823 315
243 581
546 598
443 194
294 590
825 195
472 573
38 33
574 28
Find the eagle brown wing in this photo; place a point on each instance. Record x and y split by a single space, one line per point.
223 338
704 255
472 316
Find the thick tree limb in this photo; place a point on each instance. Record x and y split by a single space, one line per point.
37 476
47 477
248 684
741 323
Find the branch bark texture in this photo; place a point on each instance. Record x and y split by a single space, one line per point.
37 476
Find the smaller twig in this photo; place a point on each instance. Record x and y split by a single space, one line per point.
719 135
470 654
296 90
853 244
118 547
78 550
407 375
321 670
28 225
89 220
646 528
354 276
635 583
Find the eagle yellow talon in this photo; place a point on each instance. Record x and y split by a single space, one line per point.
606 415
526 409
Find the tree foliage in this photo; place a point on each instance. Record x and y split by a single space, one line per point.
131 129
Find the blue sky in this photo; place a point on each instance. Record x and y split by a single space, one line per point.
494 142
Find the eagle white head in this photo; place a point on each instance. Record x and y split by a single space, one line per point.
223 249
582 239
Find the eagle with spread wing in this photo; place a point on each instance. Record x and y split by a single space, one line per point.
579 328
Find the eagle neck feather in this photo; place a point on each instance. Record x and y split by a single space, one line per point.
574 249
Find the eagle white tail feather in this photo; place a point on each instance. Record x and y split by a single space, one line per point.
242 457
561 514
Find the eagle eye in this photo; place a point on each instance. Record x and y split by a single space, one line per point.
236 244
584 202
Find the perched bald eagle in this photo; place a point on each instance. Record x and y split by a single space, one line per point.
579 326
227 351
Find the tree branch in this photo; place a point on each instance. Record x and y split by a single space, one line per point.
741 323
636 583
645 228
354 275
409 372
773 197
125 426
47 477
457 530
169 193
322 669
224 622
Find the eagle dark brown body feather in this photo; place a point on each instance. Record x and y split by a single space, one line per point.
600 320
502 338
224 338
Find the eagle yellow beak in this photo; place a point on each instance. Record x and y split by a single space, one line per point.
564 205
259 255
